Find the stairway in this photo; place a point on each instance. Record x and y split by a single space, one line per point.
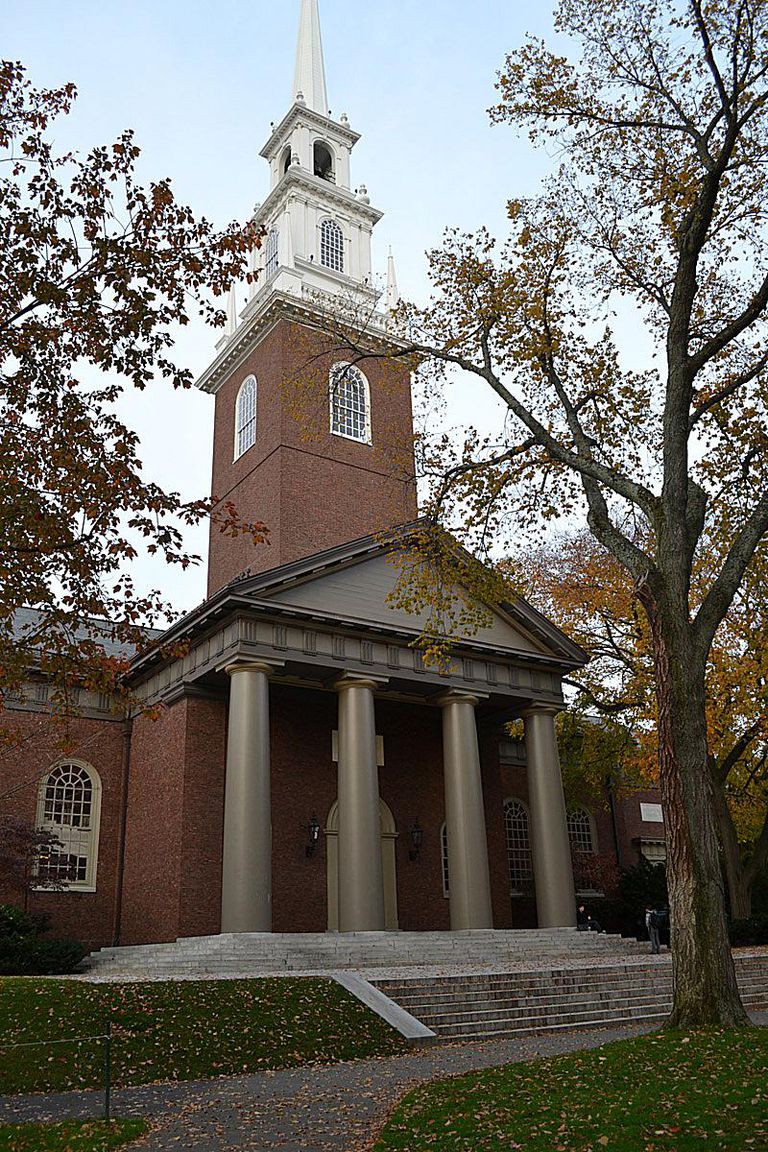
492 1005
254 954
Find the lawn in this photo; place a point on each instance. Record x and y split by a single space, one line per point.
667 1092
178 1031
74 1136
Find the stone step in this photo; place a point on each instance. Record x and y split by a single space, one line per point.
485 1005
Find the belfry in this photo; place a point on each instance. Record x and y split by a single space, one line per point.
299 767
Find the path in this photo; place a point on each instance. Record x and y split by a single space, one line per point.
331 1108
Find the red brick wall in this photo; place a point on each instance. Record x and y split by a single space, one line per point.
85 916
155 822
202 818
312 489
176 803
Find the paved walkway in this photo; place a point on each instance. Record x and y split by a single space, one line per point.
332 1108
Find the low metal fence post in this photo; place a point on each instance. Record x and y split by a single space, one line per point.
108 1070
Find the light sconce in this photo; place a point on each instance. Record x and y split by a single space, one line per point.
417 835
313 834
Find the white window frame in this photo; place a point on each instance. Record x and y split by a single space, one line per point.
518 891
245 430
73 837
444 872
331 250
590 822
342 367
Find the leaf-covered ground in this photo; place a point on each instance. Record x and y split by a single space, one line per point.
74 1136
667 1092
178 1031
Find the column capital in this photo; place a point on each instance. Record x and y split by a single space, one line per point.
243 665
360 680
542 710
460 696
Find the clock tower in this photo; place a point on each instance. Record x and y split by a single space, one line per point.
312 438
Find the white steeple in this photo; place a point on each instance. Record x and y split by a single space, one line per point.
309 80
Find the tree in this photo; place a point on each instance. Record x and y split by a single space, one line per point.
94 272
657 215
22 848
584 589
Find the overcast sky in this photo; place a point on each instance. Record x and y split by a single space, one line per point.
200 83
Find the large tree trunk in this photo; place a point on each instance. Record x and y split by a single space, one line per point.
705 989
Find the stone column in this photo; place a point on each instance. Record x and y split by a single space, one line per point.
361 884
246 888
468 878
552 868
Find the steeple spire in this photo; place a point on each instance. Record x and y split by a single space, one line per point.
393 296
310 68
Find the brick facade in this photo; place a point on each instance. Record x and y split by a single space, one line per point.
312 489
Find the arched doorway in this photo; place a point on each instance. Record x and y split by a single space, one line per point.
388 866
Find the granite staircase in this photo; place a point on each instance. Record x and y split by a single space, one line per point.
494 1005
255 954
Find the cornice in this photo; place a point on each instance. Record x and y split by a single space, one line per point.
275 306
317 189
315 119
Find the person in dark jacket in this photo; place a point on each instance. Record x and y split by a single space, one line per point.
652 924
584 921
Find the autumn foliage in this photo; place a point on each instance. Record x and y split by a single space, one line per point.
95 270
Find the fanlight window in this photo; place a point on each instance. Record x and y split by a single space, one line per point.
331 245
350 403
580 832
68 807
519 857
272 252
245 417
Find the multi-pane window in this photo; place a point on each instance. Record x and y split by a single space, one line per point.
245 417
580 831
519 857
271 253
444 859
332 245
68 809
350 403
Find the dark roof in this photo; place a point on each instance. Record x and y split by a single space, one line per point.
27 621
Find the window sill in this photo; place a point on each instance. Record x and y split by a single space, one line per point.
354 439
65 891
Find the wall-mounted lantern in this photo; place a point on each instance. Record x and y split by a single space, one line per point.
313 835
417 835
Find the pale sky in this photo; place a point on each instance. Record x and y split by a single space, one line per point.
199 83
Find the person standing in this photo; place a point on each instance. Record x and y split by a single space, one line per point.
652 924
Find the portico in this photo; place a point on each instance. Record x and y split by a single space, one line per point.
284 639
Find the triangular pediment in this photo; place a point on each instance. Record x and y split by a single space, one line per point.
359 590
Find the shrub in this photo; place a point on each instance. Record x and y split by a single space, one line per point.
24 953
751 931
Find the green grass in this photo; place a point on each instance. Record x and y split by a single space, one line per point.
178 1031
74 1136
667 1092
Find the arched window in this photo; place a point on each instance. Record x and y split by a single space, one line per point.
69 806
331 245
245 417
444 859
519 859
285 161
271 253
323 161
581 832
350 403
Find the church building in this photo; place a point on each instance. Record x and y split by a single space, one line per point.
303 769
